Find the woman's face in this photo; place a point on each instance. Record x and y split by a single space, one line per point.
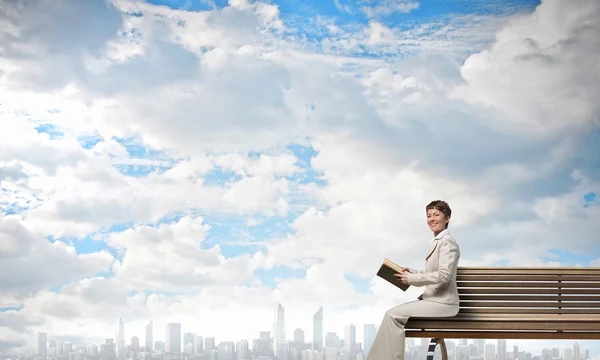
436 220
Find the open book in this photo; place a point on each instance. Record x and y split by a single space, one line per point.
387 271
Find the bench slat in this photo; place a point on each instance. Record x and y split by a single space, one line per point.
593 285
526 277
528 311
526 270
518 317
554 298
542 335
500 325
527 291
529 304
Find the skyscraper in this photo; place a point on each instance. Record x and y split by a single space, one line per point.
42 347
209 344
189 343
462 352
279 344
546 354
226 350
299 336
149 337
501 350
279 324
489 352
480 343
199 345
369 333
120 340
242 349
350 341
318 329
173 338
135 344
576 351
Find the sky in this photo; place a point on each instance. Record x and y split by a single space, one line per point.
200 161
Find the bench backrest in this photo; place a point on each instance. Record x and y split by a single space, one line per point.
529 290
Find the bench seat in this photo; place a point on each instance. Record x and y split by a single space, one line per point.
518 303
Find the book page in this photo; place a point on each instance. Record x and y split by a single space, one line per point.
392 265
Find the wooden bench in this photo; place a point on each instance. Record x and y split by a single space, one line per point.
518 303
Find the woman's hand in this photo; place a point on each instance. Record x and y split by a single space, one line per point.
403 276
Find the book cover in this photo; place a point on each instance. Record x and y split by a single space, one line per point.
387 271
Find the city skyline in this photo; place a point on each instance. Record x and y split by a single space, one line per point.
176 338
487 349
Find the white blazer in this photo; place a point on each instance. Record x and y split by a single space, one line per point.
439 276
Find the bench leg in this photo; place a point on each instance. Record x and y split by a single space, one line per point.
432 344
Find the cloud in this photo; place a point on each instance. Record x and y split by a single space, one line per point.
136 160
173 258
34 34
388 7
55 263
541 71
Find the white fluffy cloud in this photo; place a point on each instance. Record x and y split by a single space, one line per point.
30 263
541 72
147 104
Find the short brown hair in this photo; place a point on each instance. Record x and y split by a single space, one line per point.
441 206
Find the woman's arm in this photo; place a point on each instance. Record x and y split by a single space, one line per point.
415 271
449 254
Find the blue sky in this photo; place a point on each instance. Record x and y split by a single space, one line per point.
348 11
232 233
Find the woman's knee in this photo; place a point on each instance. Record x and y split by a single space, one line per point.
394 314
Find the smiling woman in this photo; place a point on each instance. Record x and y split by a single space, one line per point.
440 298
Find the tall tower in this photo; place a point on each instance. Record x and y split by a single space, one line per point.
121 349
150 337
279 344
350 341
369 333
481 346
489 352
279 331
42 339
318 329
173 338
501 350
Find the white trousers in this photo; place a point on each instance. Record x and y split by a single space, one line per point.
389 342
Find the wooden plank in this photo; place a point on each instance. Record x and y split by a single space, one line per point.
509 335
554 298
528 277
528 311
530 267
527 291
500 325
527 270
583 318
537 284
530 304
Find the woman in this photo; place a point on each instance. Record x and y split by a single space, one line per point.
440 298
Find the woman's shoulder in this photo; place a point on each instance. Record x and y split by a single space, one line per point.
449 238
